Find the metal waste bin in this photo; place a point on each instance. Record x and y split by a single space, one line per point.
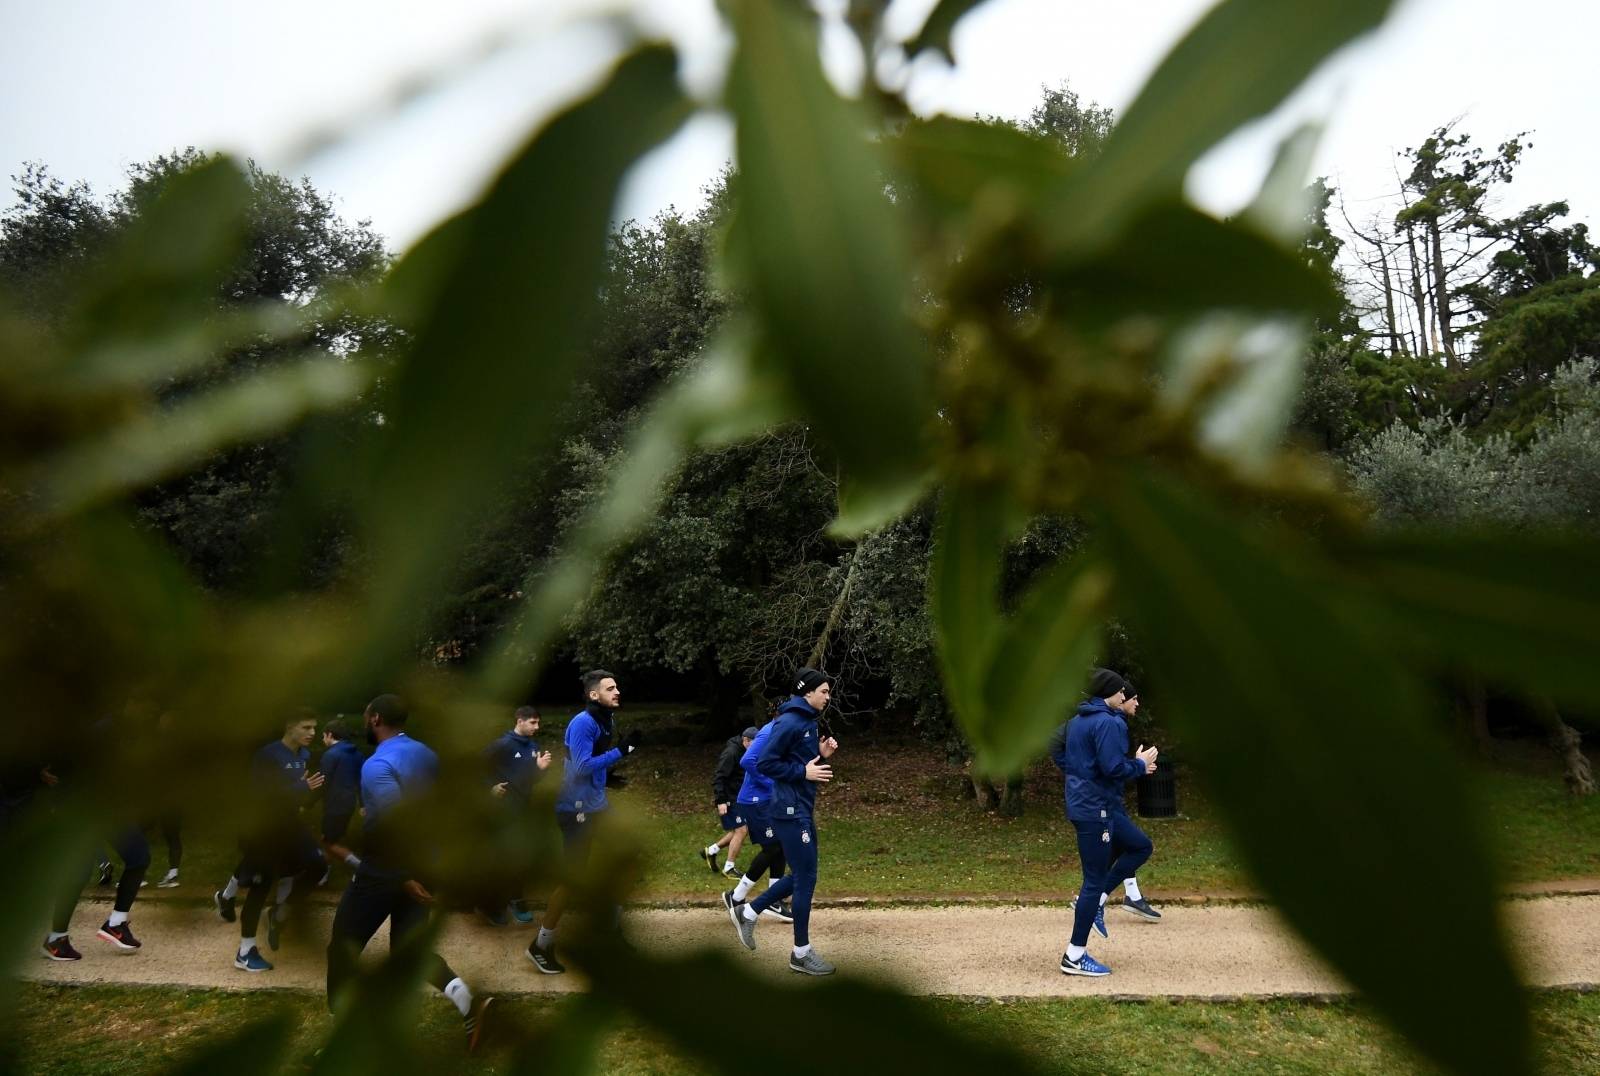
1158 793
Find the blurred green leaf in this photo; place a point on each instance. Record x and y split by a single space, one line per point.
1332 777
952 164
1237 63
823 254
940 24
861 1028
155 446
498 350
374 1028
1047 645
865 510
255 1049
963 594
1280 208
1522 610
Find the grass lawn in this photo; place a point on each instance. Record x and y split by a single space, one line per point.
125 1031
893 825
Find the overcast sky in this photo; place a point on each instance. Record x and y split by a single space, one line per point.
427 97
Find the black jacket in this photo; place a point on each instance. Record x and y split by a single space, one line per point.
726 780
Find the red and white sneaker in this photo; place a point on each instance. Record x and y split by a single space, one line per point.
120 936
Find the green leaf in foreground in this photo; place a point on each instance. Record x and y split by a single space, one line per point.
1523 609
1334 781
940 24
963 594
823 253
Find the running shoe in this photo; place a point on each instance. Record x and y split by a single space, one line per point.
120 935
545 960
252 961
727 899
1141 908
783 912
810 964
521 912
500 917
170 880
61 949
745 927
106 877
475 1021
1084 965
1099 917
224 905
732 871
710 859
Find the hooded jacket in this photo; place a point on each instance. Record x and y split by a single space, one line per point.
514 760
756 788
1095 758
793 742
725 779
589 755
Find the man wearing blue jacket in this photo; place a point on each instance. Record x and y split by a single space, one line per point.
513 764
754 803
341 788
794 759
387 885
582 801
1110 847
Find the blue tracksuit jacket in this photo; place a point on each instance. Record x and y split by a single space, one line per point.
513 759
756 788
783 758
1095 758
583 780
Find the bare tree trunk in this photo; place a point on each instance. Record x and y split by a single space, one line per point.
1441 296
1395 344
821 648
1416 294
1011 798
1568 743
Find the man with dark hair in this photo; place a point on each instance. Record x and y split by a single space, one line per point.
1110 847
279 848
725 781
513 765
386 886
794 759
582 801
341 791
755 804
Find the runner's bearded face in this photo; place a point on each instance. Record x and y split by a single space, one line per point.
607 694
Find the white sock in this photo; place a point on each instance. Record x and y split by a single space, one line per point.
171 874
749 913
230 890
1103 898
1075 952
285 886
354 861
245 945
56 935
742 890
800 951
118 918
547 938
1131 886
713 849
457 992
772 880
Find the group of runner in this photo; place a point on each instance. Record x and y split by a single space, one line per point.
764 790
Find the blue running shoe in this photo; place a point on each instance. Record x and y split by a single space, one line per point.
1099 917
254 961
1084 965
521 912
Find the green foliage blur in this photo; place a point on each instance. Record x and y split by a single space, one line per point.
250 462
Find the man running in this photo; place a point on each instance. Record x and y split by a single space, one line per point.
279 848
755 804
386 886
341 791
794 758
582 801
514 765
1110 847
1133 901
724 794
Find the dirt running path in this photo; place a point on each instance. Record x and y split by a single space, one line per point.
1217 951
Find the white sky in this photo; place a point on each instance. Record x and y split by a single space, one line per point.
92 86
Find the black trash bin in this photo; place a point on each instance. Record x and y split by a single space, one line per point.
1158 793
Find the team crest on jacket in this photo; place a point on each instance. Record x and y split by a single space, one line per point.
805 836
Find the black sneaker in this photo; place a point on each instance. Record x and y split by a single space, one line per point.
727 899
120 936
782 911
475 1021
224 907
1141 908
61 949
106 873
710 859
545 960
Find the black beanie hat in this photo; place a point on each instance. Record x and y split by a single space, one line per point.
807 680
1103 683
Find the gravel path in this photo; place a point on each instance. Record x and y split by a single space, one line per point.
1195 951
